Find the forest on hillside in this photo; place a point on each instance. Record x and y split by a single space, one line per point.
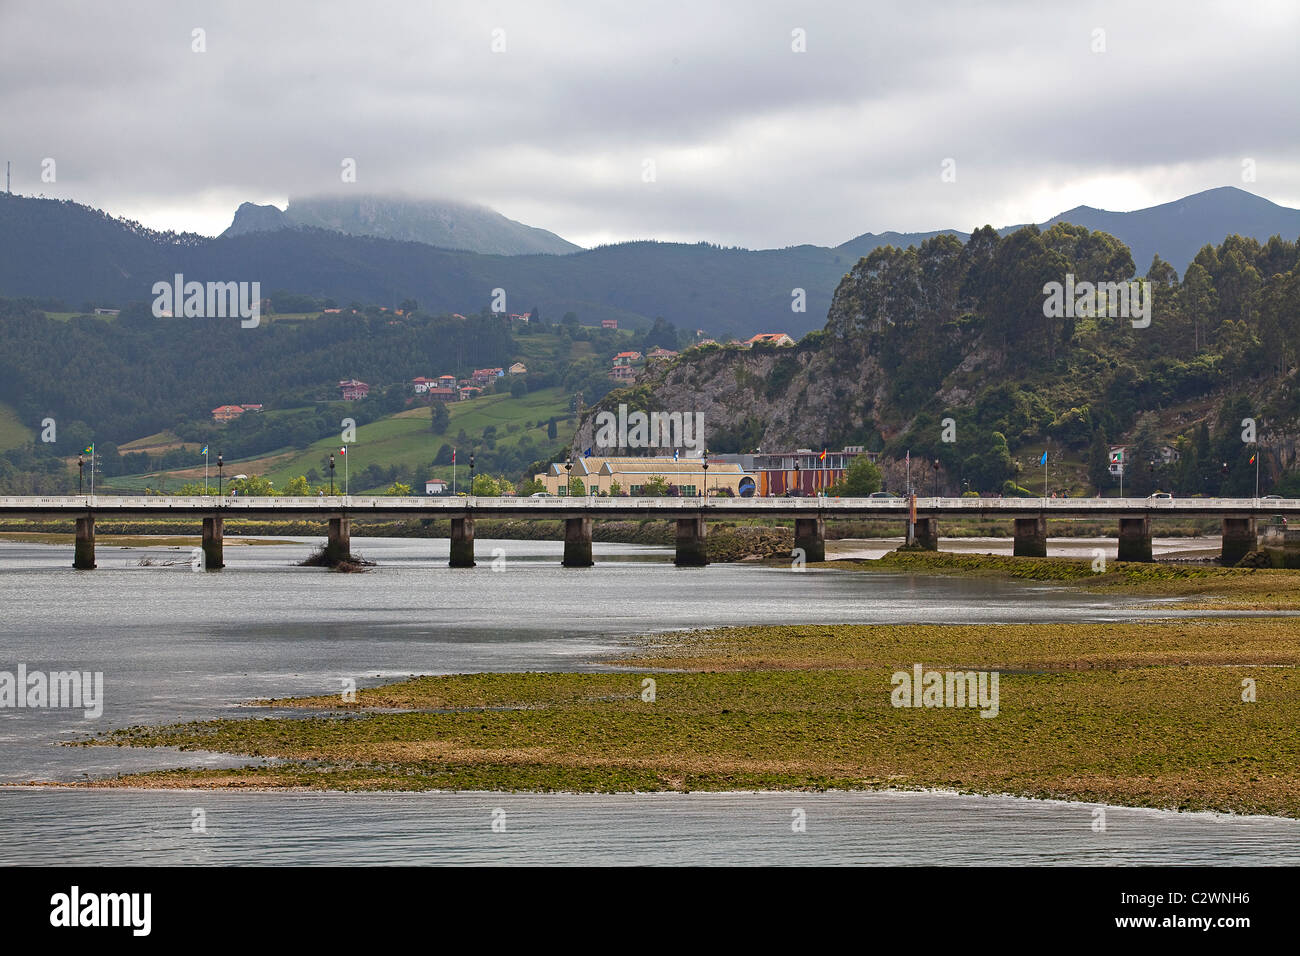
956 333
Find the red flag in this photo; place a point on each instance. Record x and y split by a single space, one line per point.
453 456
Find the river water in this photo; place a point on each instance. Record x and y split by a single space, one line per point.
176 645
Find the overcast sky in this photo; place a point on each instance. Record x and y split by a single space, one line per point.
752 143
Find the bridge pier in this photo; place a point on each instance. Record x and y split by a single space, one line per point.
339 544
927 533
462 543
1239 538
213 554
577 543
83 557
810 534
691 549
1135 539
1030 538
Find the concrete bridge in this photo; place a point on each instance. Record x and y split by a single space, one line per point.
1030 515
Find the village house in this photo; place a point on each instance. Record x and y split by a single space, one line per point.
659 353
437 393
626 358
469 391
353 389
446 381
771 338
435 486
519 368
609 323
519 318
422 384
226 413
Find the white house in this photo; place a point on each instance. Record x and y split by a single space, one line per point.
435 486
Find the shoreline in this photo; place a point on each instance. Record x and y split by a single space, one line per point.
665 794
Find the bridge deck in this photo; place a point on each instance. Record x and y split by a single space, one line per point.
161 506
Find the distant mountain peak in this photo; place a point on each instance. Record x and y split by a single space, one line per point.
250 217
445 223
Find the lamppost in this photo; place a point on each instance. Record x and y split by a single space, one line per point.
568 467
471 473
706 474
220 465
81 464
935 480
1151 474
331 474
798 483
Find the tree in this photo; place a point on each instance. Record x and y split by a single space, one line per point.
296 487
257 486
1099 461
656 486
439 418
518 387
485 486
577 489
551 431
531 487
860 479
398 490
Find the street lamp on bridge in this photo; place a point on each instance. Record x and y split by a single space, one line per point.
220 465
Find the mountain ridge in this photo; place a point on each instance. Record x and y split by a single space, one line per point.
61 249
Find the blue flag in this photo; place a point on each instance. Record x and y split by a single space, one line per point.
1043 460
203 450
587 453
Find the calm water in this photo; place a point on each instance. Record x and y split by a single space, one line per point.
176 645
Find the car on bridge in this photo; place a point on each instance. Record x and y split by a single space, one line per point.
1160 496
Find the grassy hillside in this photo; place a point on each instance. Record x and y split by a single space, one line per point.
403 440
13 432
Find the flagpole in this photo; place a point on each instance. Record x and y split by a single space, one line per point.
205 471
453 472
1256 471
92 469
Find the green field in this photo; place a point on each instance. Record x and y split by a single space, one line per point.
406 438
13 432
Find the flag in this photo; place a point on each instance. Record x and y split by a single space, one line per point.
1043 460
674 454
88 450
203 450
453 456
822 456
587 453
1252 460
343 450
